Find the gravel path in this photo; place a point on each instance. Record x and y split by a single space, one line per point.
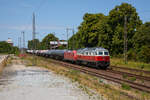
18 82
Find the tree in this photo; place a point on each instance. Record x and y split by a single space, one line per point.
45 44
34 44
116 22
87 35
142 36
142 42
7 48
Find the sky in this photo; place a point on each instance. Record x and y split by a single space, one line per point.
55 15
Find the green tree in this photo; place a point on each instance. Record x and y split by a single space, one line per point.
142 36
45 44
7 48
104 34
34 44
142 42
116 22
87 35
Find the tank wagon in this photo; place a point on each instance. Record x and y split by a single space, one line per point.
98 57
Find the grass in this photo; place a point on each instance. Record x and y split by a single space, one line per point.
132 79
124 76
130 64
86 82
125 86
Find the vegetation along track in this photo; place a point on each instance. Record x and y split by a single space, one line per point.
130 69
111 76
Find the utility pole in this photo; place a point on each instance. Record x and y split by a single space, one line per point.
54 40
125 39
33 37
23 38
73 39
33 27
72 29
18 42
67 38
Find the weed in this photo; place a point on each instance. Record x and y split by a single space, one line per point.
76 79
124 76
74 72
142 81
106 86
142 66
100 81
125 86
132 79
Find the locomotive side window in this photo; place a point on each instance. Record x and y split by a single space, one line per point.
106 53
100 53
86 53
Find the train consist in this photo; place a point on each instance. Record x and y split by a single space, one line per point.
97 57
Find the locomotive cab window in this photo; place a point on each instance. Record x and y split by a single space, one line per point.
106 53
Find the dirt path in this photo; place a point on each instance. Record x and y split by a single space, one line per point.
19 82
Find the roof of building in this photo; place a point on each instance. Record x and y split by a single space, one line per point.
9 40
56 42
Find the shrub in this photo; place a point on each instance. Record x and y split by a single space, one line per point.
144 54
125 86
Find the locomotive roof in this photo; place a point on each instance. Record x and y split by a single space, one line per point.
93 49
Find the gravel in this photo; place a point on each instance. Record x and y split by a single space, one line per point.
19 82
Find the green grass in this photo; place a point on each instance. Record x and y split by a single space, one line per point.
125 86
131 64
132 79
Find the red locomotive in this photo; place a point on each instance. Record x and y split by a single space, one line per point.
98 57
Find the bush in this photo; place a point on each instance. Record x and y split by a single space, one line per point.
125 86
7 48
144 54
132 55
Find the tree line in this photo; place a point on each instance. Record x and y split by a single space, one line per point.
7 48
99 30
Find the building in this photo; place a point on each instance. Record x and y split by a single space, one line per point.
10 41
56 44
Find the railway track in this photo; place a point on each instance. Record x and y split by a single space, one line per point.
114 76
130 69
130 75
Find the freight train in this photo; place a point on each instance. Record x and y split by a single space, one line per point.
97 57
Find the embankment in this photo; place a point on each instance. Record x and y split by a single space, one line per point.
3 60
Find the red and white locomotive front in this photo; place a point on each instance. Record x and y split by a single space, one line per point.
102 58
98 57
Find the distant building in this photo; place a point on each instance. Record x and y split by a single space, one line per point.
56 44
10 41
